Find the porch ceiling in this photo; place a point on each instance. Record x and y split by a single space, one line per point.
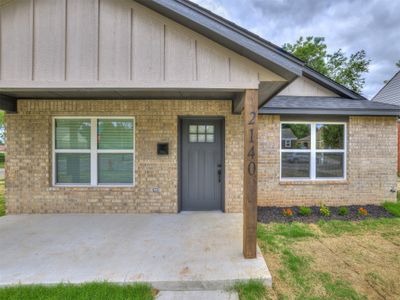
9 96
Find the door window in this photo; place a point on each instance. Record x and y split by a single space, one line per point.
201 133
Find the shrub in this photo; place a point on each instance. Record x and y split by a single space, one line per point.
343 211
393 208
304 211
324 211
362 211
287 212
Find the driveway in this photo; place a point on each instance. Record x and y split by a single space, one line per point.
187 251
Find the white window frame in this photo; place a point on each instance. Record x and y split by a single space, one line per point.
313 152
93 151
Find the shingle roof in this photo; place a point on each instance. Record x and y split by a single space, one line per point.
390 93
327 106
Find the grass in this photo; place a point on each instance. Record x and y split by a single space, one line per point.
251 290
332 260
393 208
2 159
2 201
366 226
89 291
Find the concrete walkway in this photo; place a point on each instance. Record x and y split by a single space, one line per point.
197 295
187 251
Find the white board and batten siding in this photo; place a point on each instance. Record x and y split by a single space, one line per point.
305 87
112 43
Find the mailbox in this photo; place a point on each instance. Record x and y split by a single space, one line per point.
162 149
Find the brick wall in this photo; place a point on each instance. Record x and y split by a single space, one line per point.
371 167
371 160
29 159
398 147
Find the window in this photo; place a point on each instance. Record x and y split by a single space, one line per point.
201 133
313 150
93 151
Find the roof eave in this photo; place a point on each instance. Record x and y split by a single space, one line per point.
336 112
330 84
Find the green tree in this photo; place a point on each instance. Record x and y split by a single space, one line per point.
346 70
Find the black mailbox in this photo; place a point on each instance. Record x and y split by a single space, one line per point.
162 148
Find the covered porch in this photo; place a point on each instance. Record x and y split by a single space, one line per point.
123 248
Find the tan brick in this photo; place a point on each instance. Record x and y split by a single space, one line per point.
371 167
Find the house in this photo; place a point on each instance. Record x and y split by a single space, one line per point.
390 94
122 106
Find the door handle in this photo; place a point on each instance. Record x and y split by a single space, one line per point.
219 175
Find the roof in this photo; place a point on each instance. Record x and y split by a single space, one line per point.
390 93
328 106
287 134
228 35
243 42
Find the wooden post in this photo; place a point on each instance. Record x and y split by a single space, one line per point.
250 174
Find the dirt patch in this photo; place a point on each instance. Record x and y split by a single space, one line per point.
271 214
370 262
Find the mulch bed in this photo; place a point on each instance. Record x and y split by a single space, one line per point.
271 214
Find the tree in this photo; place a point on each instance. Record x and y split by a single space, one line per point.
345 70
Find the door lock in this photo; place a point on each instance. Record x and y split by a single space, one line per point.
219 172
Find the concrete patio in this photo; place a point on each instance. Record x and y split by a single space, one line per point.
187 251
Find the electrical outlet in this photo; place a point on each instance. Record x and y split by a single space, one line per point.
156 190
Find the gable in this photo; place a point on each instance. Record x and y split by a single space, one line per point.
306 87
113 42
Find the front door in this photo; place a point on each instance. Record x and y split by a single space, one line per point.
202 164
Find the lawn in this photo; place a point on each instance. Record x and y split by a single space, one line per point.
333 259
90 291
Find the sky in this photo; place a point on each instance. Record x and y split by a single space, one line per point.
350 25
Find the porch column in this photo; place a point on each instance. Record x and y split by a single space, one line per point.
250 173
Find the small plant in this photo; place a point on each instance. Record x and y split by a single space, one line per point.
343 211
362 212
324 210
392 207
304 211
287 212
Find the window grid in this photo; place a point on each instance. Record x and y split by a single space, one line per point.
201 133
93 151
313 152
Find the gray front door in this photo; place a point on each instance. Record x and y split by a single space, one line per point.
201 176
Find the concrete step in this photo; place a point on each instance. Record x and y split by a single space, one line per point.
197 295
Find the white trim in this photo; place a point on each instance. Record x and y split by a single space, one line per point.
93 151
313 152
93 154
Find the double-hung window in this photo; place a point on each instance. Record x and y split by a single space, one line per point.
94 151
313 150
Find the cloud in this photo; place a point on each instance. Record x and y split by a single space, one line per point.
351 25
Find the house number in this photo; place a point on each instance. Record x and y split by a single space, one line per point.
251 167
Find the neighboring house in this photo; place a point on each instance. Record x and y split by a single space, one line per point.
287 138
151 107
390 94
